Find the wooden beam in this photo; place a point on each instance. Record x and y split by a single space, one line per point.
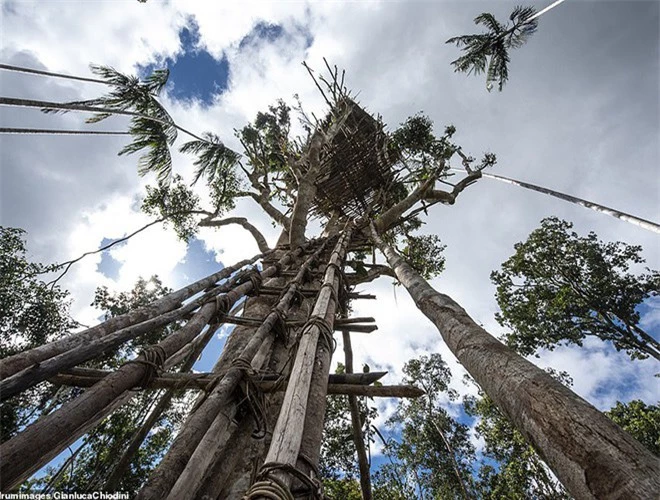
86 377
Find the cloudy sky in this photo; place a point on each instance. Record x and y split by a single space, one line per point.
580 115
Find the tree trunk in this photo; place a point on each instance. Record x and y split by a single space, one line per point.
174 466
591 456
120 468
13 364
358 438
643 223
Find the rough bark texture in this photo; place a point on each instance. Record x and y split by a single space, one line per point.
120 468
590 454
358 438
13 364
30 449
217 401
301 412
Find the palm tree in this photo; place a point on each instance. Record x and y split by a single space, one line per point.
489 52
538 405
152 127
638 221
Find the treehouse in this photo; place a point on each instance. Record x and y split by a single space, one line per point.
357 165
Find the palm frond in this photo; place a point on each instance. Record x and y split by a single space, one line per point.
498 70
214 159
152 136
489 21
488 52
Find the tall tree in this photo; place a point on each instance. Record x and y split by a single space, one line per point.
347 170
31 314
609 463
561 287
433 445
517 471
489 52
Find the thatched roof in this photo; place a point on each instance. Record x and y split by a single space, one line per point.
356 166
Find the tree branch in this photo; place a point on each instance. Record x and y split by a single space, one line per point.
386 220
275 214
373 273
241 221
307 184
448 198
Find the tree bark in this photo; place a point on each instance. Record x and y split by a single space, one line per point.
13 364
307 184
32 448
358 438
119 469
196 427
591 456
288 433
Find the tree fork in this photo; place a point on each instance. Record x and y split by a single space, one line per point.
590 454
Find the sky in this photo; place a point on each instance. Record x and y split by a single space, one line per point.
580 114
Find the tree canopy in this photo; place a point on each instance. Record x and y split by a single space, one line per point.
560 287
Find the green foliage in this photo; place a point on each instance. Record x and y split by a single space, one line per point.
640 420
342 489
560 287
424 254
488 52
31 314
338 455
434 453
421 150
266 141
103 446
143 293
215 161
130 94
176 203
152 136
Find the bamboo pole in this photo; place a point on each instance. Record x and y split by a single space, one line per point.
120 467
288 432
87 377
13 364
358 438
176 462
93 348
613 212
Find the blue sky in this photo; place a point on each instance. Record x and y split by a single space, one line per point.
194 73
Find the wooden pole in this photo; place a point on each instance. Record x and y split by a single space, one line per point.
358 438
288 432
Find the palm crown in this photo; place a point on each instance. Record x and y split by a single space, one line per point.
489 52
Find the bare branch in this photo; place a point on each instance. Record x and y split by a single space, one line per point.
373 273
241 221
